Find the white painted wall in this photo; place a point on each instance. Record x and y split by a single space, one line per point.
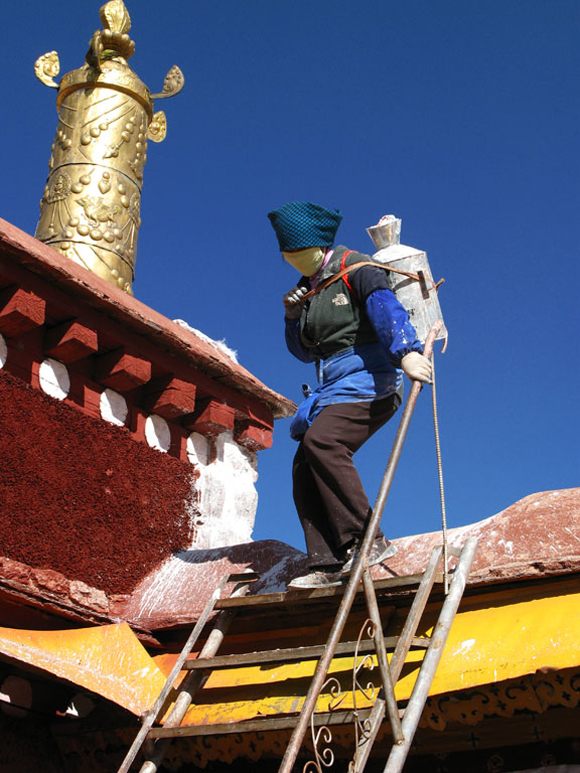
227 499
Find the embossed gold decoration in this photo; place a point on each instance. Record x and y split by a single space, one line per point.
90 210
46 67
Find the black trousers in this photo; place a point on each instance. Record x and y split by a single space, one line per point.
331 503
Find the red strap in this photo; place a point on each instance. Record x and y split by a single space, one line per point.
343 266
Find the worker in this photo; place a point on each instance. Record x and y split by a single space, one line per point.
361 340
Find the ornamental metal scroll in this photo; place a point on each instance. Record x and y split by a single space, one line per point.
322 737
362 728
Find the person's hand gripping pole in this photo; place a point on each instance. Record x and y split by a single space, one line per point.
417 367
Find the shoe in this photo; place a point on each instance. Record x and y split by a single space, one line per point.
380 551
315 579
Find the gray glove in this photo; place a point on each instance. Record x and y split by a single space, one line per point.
416 367
292 301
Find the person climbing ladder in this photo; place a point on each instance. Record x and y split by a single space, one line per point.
361 340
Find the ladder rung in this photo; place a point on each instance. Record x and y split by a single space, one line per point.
258 725
297 596
291 654
248 576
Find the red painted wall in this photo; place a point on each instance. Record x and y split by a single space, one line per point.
82 497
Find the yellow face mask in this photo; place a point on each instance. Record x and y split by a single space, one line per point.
307 261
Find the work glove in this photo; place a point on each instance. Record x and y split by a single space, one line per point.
292 303
416 367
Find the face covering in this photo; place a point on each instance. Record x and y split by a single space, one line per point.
308 261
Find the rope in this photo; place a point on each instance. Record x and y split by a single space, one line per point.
353 267
440 473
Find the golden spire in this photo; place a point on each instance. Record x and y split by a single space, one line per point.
91 202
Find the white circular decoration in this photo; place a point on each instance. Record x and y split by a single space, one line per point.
113 407
3 352
197 448
54 378
157 433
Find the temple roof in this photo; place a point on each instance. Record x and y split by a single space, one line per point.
510 636
137 317
533 539
537 537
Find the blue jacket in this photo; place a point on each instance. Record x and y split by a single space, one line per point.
361 373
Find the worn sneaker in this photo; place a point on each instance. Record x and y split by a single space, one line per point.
315 579
380 551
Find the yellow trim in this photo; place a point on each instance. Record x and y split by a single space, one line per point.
108 660
487 644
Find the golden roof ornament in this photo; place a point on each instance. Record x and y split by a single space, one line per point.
91 202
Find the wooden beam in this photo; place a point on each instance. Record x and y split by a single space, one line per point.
253 436
122 371
20 311
169 397
70 341
210 418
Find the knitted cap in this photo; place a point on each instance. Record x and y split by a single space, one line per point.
302 224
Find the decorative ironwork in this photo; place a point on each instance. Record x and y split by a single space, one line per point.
360 690
324 757
362 728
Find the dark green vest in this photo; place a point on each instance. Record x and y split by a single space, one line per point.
335 319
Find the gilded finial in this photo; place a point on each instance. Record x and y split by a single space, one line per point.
113 40
115 17
90 210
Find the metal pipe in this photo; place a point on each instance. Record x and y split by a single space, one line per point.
360 565
403 645
433 655
387 481
150 716
381 650
414 616
374 722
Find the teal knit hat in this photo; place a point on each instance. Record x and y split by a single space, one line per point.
302 224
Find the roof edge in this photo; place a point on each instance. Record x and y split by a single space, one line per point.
102 296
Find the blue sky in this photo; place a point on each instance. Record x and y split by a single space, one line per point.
460 117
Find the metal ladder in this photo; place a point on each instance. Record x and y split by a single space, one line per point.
368 722
404 722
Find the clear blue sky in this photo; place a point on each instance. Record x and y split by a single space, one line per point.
461 118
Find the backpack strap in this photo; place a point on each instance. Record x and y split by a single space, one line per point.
344 275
